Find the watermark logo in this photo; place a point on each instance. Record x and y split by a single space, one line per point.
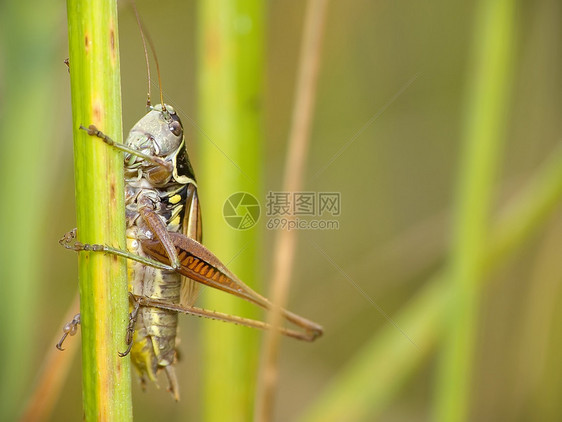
241 211
303 210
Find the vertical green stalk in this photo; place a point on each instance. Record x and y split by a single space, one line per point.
96 99
485 119
231 66
26 149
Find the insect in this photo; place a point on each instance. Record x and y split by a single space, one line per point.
166 260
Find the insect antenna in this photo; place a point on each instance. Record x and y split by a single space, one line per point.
145 37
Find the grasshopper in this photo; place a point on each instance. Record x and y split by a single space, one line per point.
167 262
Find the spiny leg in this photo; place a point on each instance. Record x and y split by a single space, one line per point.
131 326
67 241
69 329
152 219
220 316
92 130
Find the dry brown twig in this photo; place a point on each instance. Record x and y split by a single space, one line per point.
285 241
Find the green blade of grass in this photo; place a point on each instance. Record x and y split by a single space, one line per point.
231 67
486 111
96 99
27 130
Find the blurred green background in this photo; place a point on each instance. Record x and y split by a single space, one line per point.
398 93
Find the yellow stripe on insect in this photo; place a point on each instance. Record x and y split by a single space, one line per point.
175 221
175 199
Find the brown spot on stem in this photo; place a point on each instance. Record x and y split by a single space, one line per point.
112 42
86 42
112 191
96 110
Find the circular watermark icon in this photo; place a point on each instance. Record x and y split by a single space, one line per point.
241 211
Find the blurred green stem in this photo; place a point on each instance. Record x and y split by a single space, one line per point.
26 134
96 99
231 68
486 112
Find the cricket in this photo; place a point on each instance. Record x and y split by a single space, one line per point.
166 261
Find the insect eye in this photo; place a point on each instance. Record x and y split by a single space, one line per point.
175 127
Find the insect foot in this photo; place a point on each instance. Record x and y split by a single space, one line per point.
69 329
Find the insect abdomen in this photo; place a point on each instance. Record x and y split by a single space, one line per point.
154 341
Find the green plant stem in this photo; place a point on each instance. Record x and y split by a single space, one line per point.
488 101
368 382
96 99
26 149
231 67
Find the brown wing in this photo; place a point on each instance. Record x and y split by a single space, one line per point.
191 228
200 264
